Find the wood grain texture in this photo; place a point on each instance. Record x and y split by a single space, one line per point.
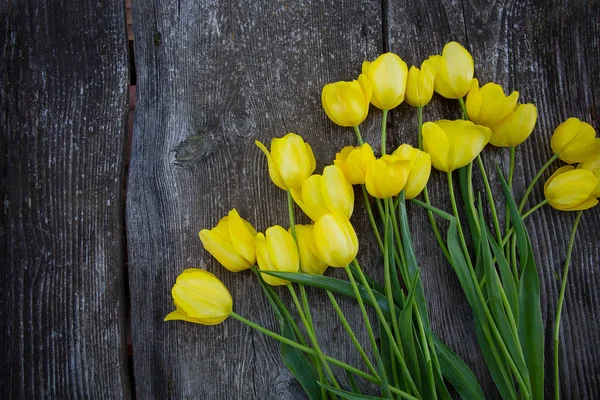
212 78
549 53
64 77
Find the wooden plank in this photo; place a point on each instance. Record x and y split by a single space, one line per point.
212 78
549 53
64 102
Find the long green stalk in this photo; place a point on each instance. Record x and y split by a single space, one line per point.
534 181
561 299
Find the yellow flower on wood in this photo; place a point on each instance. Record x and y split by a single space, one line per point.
570 189
347 103
387 76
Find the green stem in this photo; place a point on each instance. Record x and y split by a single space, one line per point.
358 136
403 264
291 213
511 171
420 125
490 196
386 269
561 299
305 349
350 332
365 316
465 115
386 328
371 218
534 181
383 130
426 352
312 337
496 333
527 214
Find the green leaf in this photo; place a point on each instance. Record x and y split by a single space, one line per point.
405 323
466 190
352 381
294 359
508 282
530 324
457 372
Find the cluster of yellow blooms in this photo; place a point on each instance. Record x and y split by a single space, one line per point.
328 198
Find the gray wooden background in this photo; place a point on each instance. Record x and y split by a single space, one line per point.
78 267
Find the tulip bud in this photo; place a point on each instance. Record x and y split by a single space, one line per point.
335 240
354 161
489 105
200 297
276 250
515 128
387 76
387 176
575 141
231 242
454 144
347 103
419 86
454 71
593 166
570 189
291 161
420 169
322 194
309 262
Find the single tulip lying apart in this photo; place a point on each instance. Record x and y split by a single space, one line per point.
200 297
570 189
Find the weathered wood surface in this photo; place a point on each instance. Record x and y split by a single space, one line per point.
212 78
64 77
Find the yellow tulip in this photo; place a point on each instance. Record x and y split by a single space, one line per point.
420 169
200 297
575 141
309 262
322 194
454 71
570 189
593 166
335 240
387 76
386 176
489 105
454 144
420 83
515 128
231 242
276 250
354 161
291 161
347 103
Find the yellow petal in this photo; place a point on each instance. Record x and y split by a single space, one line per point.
335 240
309 262
337 192
435 142
273 171
242 238
223 251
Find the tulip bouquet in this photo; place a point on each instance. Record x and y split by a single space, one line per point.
494 263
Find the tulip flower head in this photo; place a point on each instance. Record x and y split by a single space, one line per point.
515 128
420 169
200 297
335 240
322 194
454 71
593 166
347 103
231 242
570 189
454 144
386 176
575 141
309 262
488 105
290 161
420 83
354 161
387 76
276 250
